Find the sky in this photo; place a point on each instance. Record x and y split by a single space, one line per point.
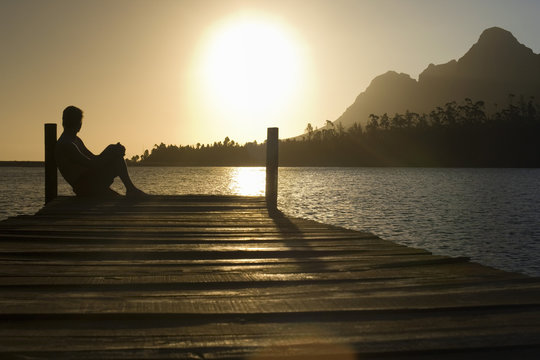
195 71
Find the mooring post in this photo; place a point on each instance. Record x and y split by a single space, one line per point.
272 144
51 177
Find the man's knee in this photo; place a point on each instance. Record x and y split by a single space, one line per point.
113 152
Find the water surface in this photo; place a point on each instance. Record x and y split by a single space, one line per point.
489 215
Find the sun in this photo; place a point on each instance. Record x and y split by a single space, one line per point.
250 68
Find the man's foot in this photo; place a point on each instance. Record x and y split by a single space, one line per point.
135 193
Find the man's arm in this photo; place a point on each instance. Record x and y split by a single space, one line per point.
115 150
71 151
84 150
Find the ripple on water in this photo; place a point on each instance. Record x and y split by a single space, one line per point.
486 214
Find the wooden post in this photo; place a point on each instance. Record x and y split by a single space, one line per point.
51 178
272 144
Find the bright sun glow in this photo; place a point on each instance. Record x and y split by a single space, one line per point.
249 181
251 68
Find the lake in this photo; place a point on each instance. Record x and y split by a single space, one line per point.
489 215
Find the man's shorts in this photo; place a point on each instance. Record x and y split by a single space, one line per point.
97 181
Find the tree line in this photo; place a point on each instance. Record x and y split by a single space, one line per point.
453 135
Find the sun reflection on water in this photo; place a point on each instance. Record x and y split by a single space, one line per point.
248 181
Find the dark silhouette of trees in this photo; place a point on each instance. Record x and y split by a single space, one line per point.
453 135
309 131
226 153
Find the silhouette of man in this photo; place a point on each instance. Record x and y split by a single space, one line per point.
89 174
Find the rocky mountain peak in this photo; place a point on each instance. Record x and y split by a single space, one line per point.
496 36
494 67
496 43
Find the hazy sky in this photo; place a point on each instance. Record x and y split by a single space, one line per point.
189 71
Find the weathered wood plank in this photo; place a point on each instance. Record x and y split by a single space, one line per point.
255 335
182 303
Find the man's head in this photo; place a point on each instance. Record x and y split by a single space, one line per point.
72 118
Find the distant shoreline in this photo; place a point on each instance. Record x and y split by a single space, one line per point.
22 163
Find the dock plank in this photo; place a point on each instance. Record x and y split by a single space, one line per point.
222 277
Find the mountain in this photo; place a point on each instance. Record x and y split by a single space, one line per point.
493 68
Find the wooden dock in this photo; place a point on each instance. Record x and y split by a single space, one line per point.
219 277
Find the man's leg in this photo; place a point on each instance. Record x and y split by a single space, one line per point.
111 156
123 173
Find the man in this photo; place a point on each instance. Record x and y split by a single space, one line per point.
89 174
